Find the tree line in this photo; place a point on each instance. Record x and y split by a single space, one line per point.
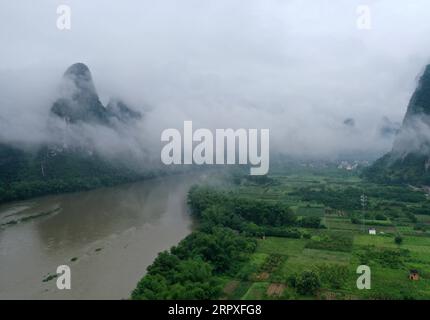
221 244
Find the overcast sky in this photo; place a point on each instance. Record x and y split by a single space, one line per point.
298 67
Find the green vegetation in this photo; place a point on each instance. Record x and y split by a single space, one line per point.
308 283
26 174
348 198
219 208
390 258
304 234
398 239
333 241
332 275
174 278
192 270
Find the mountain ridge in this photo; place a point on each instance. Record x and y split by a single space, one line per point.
58 167
409 159
80 102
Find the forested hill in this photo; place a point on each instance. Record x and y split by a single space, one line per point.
26 174
79 101
68 164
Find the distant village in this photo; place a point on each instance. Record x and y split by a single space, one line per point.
348 165
352 165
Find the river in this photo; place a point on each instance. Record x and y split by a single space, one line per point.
106 236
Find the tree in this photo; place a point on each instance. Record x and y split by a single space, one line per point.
308 283
223 248
189 279
398 240
310 222
151 287
332 274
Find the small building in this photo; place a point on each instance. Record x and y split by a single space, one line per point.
414 275
372 231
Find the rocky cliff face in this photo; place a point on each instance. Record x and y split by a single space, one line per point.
419 105
414 136
408 162
79 101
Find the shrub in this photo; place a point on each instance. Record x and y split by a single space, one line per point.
334 241
306 235
334 275
390 258
292 280
308 283
310 222
398 240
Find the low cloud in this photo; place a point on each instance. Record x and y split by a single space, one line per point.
299 68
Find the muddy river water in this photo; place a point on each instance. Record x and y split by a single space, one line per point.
107 237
